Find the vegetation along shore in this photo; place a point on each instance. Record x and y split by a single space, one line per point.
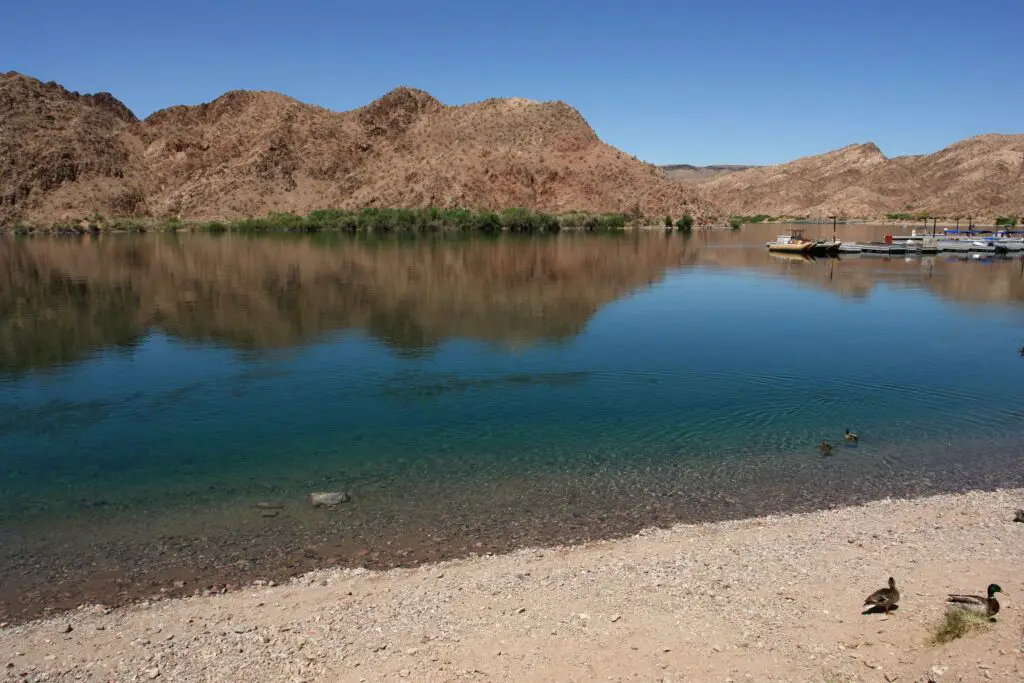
369 220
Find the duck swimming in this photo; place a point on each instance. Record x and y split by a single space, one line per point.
850 436
825 447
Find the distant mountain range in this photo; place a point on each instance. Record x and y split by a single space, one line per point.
982 177
65 157
694 175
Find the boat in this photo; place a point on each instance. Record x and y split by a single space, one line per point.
793 243
849 248
826 247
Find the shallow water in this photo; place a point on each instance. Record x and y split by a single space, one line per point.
471 394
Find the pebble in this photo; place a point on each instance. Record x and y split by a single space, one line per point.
328 498
153 673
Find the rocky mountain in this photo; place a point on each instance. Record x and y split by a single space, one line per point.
981 176
65 156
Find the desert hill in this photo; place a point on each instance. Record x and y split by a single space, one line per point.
65 156
982 176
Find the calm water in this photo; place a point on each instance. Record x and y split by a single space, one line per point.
470 394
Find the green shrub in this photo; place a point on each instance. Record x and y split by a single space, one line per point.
735 222
685 224
613 221
668 221
1007 221
487 222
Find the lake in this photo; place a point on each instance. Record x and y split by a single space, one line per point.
471 395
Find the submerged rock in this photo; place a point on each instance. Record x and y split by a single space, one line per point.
328 499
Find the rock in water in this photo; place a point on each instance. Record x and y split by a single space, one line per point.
328 499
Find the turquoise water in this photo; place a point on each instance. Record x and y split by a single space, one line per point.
153 375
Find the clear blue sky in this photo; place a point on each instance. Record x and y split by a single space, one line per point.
716 81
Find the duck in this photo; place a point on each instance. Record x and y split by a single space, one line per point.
1022 351
850 436
975 604
825 447
886 598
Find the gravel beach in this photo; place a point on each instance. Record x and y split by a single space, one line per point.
772 598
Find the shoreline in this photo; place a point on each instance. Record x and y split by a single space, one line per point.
606 223
122 556
775 597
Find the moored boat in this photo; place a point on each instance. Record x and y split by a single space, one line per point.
793 243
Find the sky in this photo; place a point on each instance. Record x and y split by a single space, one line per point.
732 82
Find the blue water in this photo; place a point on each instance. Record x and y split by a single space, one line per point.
709 367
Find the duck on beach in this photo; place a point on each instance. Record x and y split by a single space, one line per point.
825 447
884 598
850 437
975 604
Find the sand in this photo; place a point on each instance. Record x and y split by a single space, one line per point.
776 598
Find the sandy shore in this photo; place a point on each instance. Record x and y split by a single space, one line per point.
774 598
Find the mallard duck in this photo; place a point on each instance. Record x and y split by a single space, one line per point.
886 598
850 436
975 604
825 447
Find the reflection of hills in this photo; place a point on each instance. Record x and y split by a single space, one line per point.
997 282
59 300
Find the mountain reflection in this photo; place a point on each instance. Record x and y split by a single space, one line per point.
63 299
